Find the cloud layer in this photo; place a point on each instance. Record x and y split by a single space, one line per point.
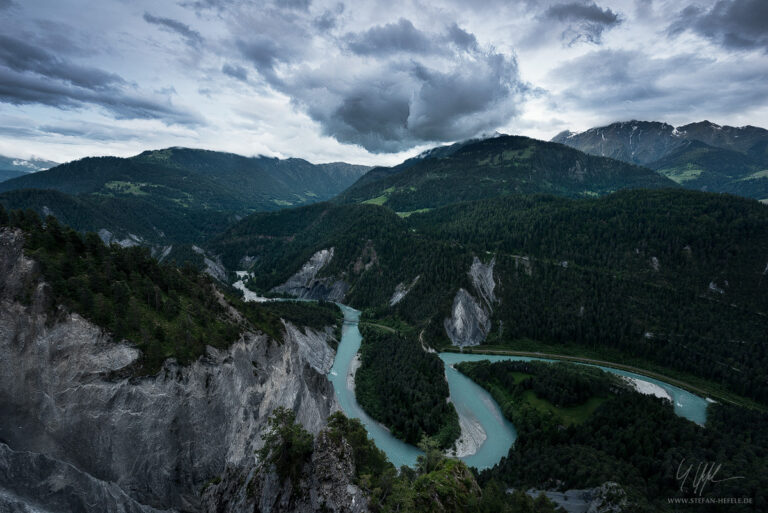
367 81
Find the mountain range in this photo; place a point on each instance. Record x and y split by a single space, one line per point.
496 166
702 156
113 359
175 195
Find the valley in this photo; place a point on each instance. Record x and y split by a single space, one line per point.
478 329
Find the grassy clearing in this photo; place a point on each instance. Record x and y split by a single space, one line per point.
379 200
411 212
567 416
681 174
756 176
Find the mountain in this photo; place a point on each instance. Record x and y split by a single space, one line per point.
11 167
700 155
173 195
493 167
671 277
638 142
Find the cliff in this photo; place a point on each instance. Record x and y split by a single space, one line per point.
81 431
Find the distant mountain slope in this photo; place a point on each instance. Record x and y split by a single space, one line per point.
493 167
173 195
697 165
638 142
12 167
673 276
25 165
700 155
7 174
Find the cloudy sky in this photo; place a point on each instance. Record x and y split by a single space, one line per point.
364 81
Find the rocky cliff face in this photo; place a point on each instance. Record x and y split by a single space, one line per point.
142 442
326 484
470 320
305 284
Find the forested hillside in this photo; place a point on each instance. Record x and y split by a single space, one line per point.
497 166
164 310
673 277
176 195
634 440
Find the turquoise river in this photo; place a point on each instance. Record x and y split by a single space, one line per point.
471 401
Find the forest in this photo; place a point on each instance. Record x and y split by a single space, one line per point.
670 278
629 438
404 387
166 311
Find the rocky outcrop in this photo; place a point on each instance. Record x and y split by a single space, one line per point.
326 484
482 278
469 323
213 265
159 438
305 284
470 320
609 497
402 290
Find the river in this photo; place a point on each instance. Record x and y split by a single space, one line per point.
474 405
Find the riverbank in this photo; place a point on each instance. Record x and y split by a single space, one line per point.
700 390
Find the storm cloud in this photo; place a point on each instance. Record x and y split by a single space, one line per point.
366 81
734 24
405 101
586 21
31 74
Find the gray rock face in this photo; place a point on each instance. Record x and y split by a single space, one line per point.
402 290
305 284
326 484
469 323
213 265
157 438
482 278
43 484
470 320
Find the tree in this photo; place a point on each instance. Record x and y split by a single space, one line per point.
287 445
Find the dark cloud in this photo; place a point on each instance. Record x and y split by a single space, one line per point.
391 38
405 104
235 71
263 52
461 37
586 21
30 74
20 89
734 24
5 4
191 37
20 56
329 19
631 85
